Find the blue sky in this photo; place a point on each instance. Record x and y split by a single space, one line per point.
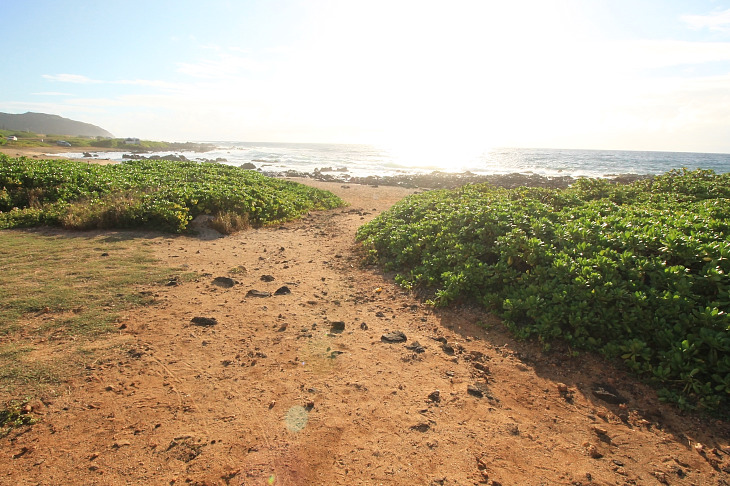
603 74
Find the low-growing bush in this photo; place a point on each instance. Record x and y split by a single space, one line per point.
638 272
157 194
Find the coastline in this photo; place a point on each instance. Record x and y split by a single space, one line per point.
40 152
447 180
432 180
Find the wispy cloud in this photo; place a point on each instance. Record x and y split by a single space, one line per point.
51 93
718 21
70 78
81 79
224 66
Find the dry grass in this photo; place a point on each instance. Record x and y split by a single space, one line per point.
59 295
228 222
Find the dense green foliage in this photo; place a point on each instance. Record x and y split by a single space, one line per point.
159 194
638 272
120 143
30 139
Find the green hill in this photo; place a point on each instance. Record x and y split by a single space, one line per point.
50 125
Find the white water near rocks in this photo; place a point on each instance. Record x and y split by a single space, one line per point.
369 160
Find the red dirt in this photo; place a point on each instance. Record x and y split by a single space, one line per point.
271 395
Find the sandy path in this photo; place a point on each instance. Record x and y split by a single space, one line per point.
276 393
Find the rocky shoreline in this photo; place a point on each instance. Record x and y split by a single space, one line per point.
432 180
445 180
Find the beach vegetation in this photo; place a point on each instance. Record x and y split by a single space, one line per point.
146 145
638 272
156 194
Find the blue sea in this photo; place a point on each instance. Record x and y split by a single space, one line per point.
367 160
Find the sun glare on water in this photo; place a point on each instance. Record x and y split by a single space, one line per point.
447 155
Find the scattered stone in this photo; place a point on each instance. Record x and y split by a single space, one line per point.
448 349
477 356
416 347
23 451
337 326
422 427
475 390
593 451
379 314
482 367
257 293
121 443
105 254
204 321
661 477
607 393
394 337
284 290
267 278
435 396
363 326
225 282
562 387
599 430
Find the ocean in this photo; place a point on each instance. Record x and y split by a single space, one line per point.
369 160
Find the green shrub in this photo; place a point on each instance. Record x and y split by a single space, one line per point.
157 194
638 272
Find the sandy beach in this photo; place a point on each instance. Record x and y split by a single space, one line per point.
55 151
342 378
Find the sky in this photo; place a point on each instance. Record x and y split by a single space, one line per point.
416 75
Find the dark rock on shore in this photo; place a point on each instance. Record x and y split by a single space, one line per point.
337 326
283 290
416 347
224 282
204 321
394 337
607 393
447 180
257 293
170 157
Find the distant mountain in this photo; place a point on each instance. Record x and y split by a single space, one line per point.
50 125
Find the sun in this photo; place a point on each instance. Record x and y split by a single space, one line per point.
447 154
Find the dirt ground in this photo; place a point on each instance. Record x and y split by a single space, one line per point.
289 380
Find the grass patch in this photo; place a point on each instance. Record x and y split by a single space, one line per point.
15 413
60 291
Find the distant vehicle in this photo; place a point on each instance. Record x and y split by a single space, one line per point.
12 138
63 143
